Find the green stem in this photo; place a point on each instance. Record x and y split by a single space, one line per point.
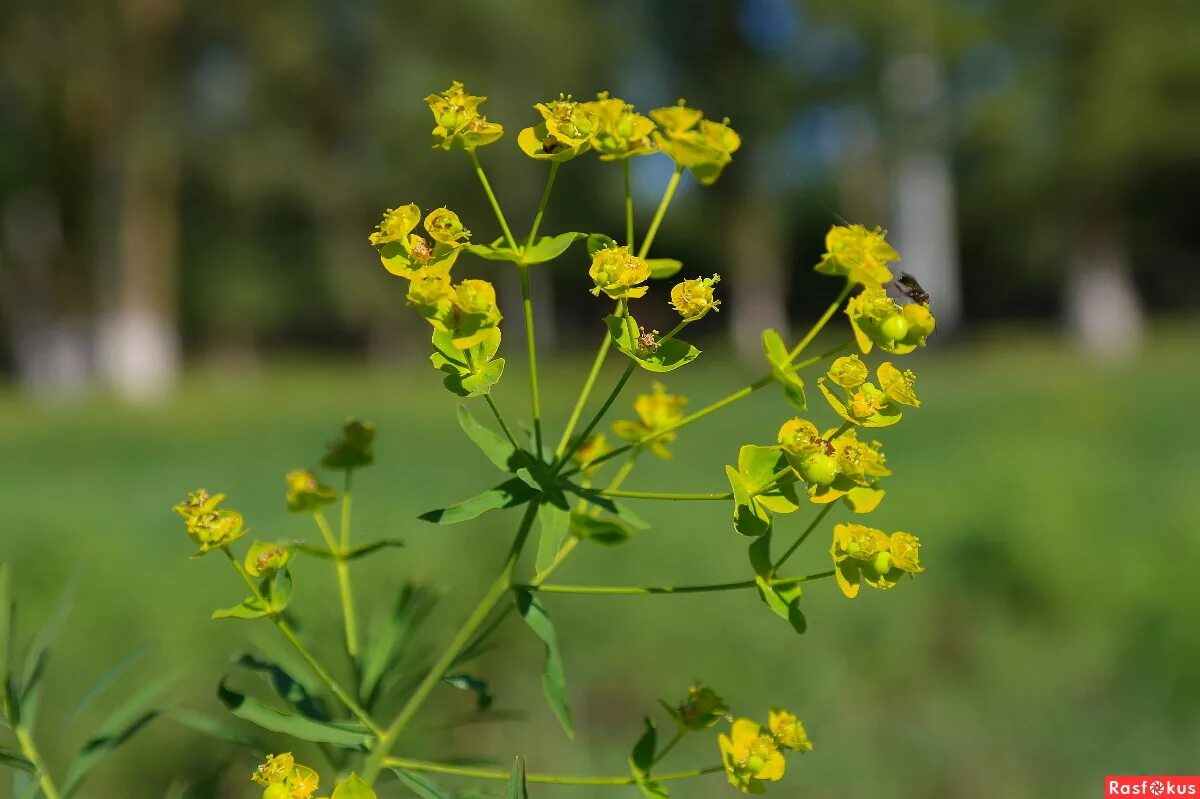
813 526
638 590
628 205
537 218
500 420
586 391
821 322
742 393
549 779
498 589
660 212
587 431
487 189
343 578
607 492
666 750
317 669
531 351
345 584
29 749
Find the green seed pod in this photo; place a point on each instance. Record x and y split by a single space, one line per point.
276 791
882 563
895 327
819 469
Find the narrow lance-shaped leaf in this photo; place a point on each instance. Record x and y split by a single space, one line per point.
494 446
554 681
344 734
508 494
354 553
104 682
420 785
14 760
286 687
784 601
554 522
39 653
517 789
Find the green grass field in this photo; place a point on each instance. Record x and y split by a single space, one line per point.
1052 640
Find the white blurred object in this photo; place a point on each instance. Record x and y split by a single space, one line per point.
1101 307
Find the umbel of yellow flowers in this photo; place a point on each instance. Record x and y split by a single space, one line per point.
656 411
283 778
752 755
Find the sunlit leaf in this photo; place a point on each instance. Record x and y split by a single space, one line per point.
508 494
547 248
664 356
661 268
554 682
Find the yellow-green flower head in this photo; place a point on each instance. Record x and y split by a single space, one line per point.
865 555
848 371
208 525
861 255
460 126
476 312
834 466
354 449
878 319
700 145
592 447
565 131
656 411
703 708
275 770
617 272
693 298
305 493
404 252
264 558
811 457
898 386
861 461
787 730
620 132
750 756
431 293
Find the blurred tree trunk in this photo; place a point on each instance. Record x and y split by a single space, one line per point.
757 277
1101 307
926 229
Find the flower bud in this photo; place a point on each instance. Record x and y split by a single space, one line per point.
263 558
848 372
702 709
306 494
354 449
693 298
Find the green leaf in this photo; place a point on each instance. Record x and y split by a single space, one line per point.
468 376
554 681
607 532
508 494
354 553
784 601
554 522
498 250
758 466
344 734
8 611
599 241
206 725
547 248
782 370
124 723
618 509
495 447
670 354
420 785
286 687
517 789
478 383
279 590
663 267
249 608
14 760
749 517
387 641
353 787
104 682
642 758
465 682
37 655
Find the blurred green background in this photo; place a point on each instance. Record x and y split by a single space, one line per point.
187 298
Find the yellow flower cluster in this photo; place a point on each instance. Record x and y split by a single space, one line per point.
752 755
863 554
861 255
876 318
619 273
284 778
460 126
209 525
305 493
592 447
866 404
693 298
834 466
656 411
700 145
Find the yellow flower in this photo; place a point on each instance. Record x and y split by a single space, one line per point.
476 312
656 411
897 385
593 447
460 126
564 133
302 782
275 770
208 525
848 371
750 756
432 295
617 272
864 554
787 730
810 456
861 255
693 298
305 493
878 319
620 132
404 252
700 145
834 466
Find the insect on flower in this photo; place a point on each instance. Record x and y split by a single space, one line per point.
908 286
421 250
